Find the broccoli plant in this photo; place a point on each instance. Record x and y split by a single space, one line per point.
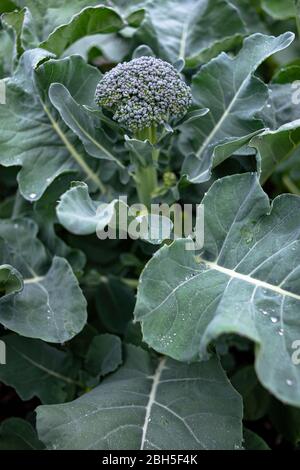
149 225
144 94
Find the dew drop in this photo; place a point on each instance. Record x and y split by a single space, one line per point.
281 332
268 106
274 319
32 195
264 312
289 382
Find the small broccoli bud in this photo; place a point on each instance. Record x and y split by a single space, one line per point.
143 92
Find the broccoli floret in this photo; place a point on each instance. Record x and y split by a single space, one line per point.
143 92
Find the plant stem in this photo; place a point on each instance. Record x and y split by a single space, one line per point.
146 176
18 204
146 183
290 185
131 282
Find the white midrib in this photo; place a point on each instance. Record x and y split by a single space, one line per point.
43 368
34 280
218 126
251 280
86 169
152 396
183 40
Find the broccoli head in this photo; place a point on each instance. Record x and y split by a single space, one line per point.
143 92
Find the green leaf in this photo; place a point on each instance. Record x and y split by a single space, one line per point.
104 355
113 47
178 30
281 107
245 281
91 20
233 103
256 400
128 8
36 369
287 74
278 9
149 405
7 5
50 305
11 280
45 215
81 215
50 14
22 26
286 420
6 54
18 434
274 147
82 122
254 442
114 304
249 13
32 134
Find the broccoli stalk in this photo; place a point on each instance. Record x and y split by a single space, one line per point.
143 95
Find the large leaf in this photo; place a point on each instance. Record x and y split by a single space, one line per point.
45 215
245 281
85 124
81 215
276 146
32 134
6 54
104 355
253 441
149 405
114 304
90 20
35 369
21 27
18 434
256 399
178 30
233 102
278 9
50 14
282 105
286 420
39 301
249 13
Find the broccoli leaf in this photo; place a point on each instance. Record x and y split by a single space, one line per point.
148 405
36 369
18 434
104 355
276 146
83 216
90 20
179 30
33 135
244 282
233 102
38 301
